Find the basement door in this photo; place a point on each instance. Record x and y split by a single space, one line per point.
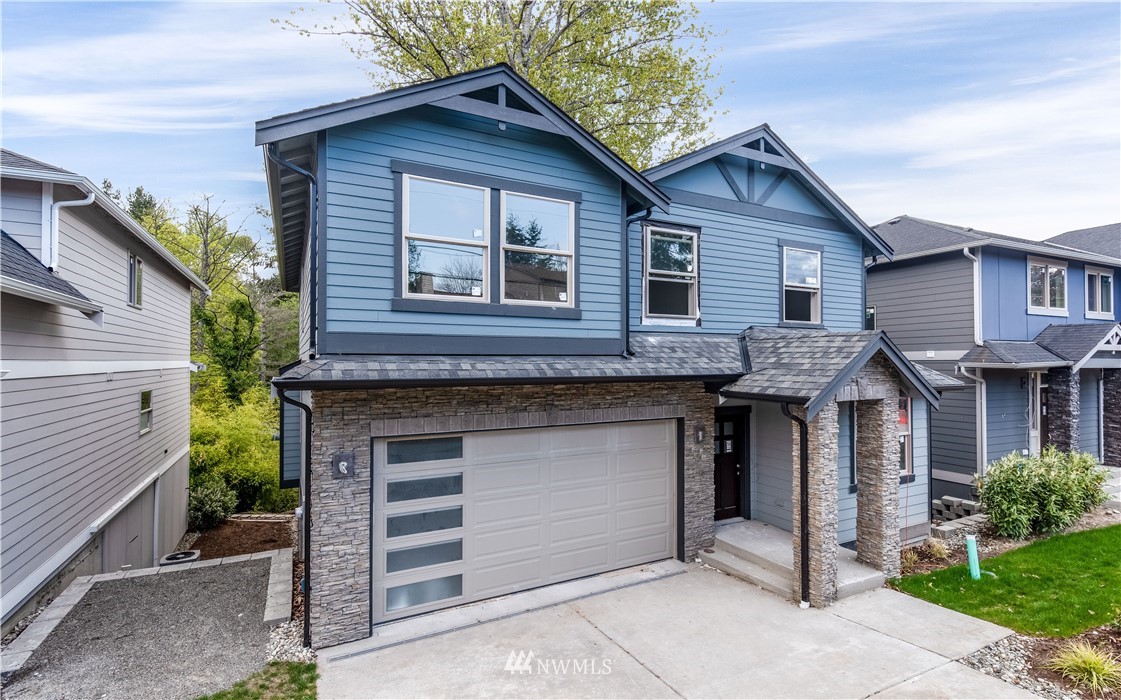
460 518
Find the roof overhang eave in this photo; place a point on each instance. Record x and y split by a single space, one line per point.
47 296
753 396
1013 365
349 384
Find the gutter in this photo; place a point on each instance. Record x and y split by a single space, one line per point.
1010 365
50 257
306 497
313 239
405 383
803 499
48 296
981 407
977 333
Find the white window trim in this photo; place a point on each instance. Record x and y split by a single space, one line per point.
406 236
135 294
1049 265
909 469
815 312
147 411
875 319
1100 272
651 319
570 253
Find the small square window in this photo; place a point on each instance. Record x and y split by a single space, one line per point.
801 274
135 280
145 411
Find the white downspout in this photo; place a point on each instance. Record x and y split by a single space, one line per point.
982 422
977 339
1101 415
53 264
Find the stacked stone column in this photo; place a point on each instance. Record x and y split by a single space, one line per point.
1063 389
1111 415
877 479
822 450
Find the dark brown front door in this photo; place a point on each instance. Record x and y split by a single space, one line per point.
729 464
1044 431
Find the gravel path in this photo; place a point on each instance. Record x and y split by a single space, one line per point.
172 635
1008 661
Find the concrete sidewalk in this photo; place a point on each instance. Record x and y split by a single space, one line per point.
697 634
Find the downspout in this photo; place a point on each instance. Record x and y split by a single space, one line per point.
982 419
307 510
52 255
977 334
313 238
803 499
627 221
1101 415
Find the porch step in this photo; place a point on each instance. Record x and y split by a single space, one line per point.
749 571
765 546
854 577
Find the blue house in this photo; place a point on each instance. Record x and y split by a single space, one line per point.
1031 325
523 362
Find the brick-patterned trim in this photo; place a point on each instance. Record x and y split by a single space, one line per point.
394 427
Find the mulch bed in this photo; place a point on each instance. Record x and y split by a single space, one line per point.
1044 648
235 537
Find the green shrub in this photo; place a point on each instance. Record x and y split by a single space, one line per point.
1087 666
1041 494
209 504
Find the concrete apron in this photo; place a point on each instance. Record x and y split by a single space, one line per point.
700 634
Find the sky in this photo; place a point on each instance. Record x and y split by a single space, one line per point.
1004 117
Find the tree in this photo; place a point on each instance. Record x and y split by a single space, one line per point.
635 73
232 340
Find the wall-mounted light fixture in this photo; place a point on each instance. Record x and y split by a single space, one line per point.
699 433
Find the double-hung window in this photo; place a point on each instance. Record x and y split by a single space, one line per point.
446 228
801 293
537 250
1047 287
135 280
1099 293
906 466
145 411
671 275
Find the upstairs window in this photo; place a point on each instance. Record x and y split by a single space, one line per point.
801 274
1047 287
1099 293
145 411
445 229
135 280
537 250
671 274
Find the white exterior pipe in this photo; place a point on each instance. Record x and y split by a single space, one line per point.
982 423
51 256
977 339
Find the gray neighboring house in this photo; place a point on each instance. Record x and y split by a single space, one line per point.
1104 240
94 384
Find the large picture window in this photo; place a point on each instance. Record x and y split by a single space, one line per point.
537 250
671 274
1099 293
446 239
1047 287
801 275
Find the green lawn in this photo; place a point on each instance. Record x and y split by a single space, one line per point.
280 680
1056 587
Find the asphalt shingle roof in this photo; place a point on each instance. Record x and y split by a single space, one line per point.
1005 352
11 159
1104 240
909 235
18 264
796 363
1073 341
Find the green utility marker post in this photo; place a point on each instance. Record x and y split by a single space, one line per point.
974 564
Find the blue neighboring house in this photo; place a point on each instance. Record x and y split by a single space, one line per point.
523 362
1031 325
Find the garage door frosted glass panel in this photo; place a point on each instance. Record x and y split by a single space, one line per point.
415 489
424 555
426 521
430 450
423 592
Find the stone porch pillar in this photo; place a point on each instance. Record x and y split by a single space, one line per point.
1063 388
877 480
822 450
1111 415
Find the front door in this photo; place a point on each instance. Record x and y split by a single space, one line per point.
729 456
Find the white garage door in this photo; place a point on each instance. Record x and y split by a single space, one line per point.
459 518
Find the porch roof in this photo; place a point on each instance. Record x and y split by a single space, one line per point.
1058 345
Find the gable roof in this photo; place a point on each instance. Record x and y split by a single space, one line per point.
1104 240
21 167
452 93
1076 342
912 237
813 365
1057 345
763 145
21 273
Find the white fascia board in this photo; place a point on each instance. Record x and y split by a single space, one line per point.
38 369
47 296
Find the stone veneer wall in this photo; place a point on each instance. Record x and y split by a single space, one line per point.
1111 416
346 420
1063 392
877 469
822 435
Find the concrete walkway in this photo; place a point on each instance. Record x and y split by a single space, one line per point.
696 634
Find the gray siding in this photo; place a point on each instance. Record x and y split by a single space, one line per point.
290 450
305 303
72 449
846 499
927 306
21 207
1007 413
1089 414
172 521
773 475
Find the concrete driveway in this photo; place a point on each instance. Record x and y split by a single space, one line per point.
695 634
